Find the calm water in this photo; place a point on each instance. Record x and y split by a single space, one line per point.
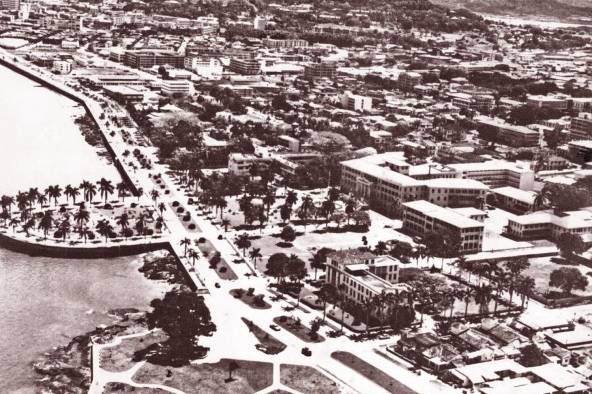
39 142
44 302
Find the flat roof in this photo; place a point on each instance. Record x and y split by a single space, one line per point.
524 196
489 165
456 183
443 214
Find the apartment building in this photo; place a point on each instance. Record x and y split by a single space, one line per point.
249 66
549 102
421 217
320 70
284 44
386 181
150 58
580 151
356 102
62 66
176 86
514 200
363 274
509 134
241 163
479 103
581 126
547 225
408 80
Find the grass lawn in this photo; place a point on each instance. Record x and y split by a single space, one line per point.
269 344
208 250
120 358
250 300
250 377
377 376
113 388
300 330
307 380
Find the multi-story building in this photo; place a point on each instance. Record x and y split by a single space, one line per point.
408 80
240 163
581 126
363 274
549 102
580 151
509 134
150 58
320 70
249 66
480 103
176 87
421 217
259 22
497 173
514 200
12 5
545 224
101 80
386 181
62 66
288 43
355 102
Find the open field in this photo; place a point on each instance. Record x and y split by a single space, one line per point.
307 380
119 358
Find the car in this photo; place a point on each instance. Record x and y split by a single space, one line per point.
306 351
274 327
217 285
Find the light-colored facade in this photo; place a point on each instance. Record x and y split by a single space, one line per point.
62 66
497 173
581 126
355 102
545 224
363 274
421 217
513 199
176 86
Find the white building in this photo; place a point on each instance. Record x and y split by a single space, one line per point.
356 102
176 86
259 23
61 66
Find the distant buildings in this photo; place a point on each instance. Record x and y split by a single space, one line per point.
12 5
509 134
151 58
548 102
547 225
249 66
319 70
363 274
287 43
259 23
581 126
355 102
580 151
176 87
408 80
421 217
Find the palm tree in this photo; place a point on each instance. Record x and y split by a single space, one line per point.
467 295
121 190
75 192
515 267
243 242
326 294
140 225
84 233
255 254
64 228
161 208
269 199
525 286
291 198
41 199
306 209
13 222
46 222
193 255
32 195
54 192
123 221
140 192
185 242
154 194
106 188
104 228
225 223
84 185
81 216
91 192
68 192
6 202
221 203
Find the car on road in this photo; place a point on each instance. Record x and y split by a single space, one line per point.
274 327
217 285
306 351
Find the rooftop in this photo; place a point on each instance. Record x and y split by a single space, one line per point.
443 214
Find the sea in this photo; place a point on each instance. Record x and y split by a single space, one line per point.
44 302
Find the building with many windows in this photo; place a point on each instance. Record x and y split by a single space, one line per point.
249 66
545 224
363 275
320 70
355 102
176 87
287 43
581 126
386 181
151 58
509 134
497 173
514 200
421 217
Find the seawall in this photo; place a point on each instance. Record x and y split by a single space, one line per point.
14 66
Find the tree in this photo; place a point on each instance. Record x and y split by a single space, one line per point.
183 317
567 279
193 255
532 356
225 223
105 188
570 244
81 216
46 222
104 228
255 254
291 198
295 268
288 234
285 212
515 268
318 260
243 242
186 242
525 286
232 366
121 190
276 265
327 293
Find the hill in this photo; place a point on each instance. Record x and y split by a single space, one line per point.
562 9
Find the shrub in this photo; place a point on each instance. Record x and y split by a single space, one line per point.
201 240
191 226
222 270
175 203
127 232
108 206
180 210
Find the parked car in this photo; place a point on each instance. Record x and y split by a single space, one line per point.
306 351
274 327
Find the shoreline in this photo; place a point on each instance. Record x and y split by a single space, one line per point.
67 368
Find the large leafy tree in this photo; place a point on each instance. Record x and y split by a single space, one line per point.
568 279
184 317
569 244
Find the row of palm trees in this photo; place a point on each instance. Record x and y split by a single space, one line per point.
26 200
